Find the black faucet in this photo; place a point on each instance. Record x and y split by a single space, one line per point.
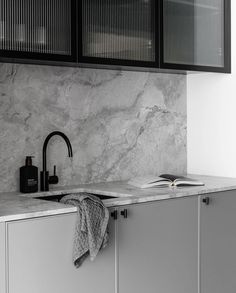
45 179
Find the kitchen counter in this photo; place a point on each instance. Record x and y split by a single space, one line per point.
16 206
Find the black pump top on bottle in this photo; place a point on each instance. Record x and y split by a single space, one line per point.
28 161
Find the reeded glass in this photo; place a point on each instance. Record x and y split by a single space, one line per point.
194 32
119 29
37 26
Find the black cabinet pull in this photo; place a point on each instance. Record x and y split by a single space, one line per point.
206 200
114 215
124 213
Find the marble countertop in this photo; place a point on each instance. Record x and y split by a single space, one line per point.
16 206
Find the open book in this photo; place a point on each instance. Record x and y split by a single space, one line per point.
163 180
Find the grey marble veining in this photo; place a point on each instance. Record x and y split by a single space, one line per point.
128 194
121 124
15 206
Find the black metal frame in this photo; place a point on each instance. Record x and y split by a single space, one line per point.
77 58
227 46
45 56
119 62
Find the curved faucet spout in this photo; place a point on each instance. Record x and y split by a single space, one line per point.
45 174
70 152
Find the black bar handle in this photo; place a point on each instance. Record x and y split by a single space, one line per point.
124 213
54 178
206 200
114 215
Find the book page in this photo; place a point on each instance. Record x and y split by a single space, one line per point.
148 181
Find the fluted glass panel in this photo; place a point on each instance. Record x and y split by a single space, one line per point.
37 26
194 32
119 29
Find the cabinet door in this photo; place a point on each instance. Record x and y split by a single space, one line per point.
196 35
38 29
2 258
218 243
158 247
40 259
121 32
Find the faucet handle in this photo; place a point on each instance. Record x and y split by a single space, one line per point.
55 170
54 178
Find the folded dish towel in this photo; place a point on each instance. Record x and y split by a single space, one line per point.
91 228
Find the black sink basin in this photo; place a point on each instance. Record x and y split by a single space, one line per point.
57 198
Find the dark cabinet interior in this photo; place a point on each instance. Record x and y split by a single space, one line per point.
196 33
150 34
41 29
119 30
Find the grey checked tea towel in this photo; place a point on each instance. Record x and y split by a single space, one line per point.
91 228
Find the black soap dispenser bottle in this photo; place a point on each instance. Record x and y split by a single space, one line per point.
28 177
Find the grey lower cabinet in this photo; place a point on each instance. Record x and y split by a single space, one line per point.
39 259
158 247
2 258
218 243
169 246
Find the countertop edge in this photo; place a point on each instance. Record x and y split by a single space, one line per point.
15 206
39 214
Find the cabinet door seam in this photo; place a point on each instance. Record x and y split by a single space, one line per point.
199 244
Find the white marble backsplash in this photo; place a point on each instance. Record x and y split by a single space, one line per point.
120 123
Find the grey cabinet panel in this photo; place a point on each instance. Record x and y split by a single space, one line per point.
158 247
218 243
40 259
2 259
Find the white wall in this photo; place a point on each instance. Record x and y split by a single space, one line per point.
211 112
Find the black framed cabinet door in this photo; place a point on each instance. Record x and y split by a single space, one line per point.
38 29
119 32
196 35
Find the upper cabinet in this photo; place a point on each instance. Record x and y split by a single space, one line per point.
38 29
150 34
217 242
196 35
122 32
